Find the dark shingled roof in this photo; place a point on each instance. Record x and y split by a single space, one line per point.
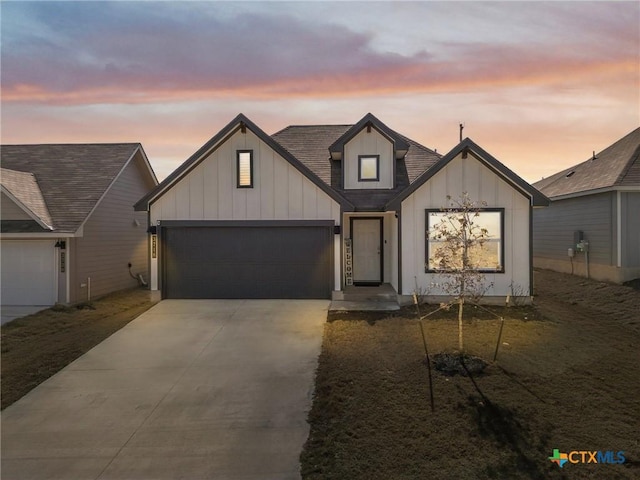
71 177
616 165
310 145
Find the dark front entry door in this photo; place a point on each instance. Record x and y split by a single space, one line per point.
366 235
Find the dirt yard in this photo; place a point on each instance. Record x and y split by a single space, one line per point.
39 345
566 378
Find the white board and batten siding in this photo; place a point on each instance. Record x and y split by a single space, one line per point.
368 143
471 176
280 192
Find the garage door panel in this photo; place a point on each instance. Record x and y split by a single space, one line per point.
28 272
248 262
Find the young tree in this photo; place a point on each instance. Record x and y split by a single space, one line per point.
457 251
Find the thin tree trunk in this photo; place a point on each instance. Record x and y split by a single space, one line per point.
460 306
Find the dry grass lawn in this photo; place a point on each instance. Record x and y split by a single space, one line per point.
39 345
566 378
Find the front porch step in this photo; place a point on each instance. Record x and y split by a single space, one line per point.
382 298
380 294
363 306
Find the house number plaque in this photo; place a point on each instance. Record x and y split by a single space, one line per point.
348 262
153 246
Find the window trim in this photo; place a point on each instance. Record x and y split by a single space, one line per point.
238 153
360 158
427 268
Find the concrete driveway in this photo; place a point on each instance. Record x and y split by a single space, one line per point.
193 389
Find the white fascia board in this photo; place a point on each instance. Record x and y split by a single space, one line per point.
147 164
595 191
107 190
35 236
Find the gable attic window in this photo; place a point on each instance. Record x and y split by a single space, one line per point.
244 168
369 168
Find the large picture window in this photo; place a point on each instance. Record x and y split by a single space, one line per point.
244 168
485 255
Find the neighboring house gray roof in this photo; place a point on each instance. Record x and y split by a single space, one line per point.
616 165
311 145
24 189
71 177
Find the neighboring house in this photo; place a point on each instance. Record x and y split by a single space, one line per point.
314 209
68 227
598 202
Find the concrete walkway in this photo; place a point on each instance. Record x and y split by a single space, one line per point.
193 389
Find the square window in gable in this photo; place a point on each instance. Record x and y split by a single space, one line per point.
369 168
244 168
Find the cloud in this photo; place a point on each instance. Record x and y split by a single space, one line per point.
126 52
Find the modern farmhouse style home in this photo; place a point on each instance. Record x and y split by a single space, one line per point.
312 210
68 227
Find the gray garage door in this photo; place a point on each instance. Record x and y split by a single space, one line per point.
247 262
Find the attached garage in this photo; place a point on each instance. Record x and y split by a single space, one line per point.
268 259
28 272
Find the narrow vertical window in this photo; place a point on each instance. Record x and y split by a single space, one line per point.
245 168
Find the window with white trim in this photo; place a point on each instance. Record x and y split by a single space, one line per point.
368 168
486 255
244 168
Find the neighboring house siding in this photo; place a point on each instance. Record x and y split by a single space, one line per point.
368 143
471 176
630 203
594 215
111 239
11 211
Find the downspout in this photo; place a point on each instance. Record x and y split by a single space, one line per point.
619 228
399 215
531 288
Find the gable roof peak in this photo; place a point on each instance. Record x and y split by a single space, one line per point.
369 121
466 147
239 123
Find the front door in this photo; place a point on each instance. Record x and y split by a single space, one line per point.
366 236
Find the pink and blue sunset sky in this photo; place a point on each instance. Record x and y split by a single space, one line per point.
540 85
